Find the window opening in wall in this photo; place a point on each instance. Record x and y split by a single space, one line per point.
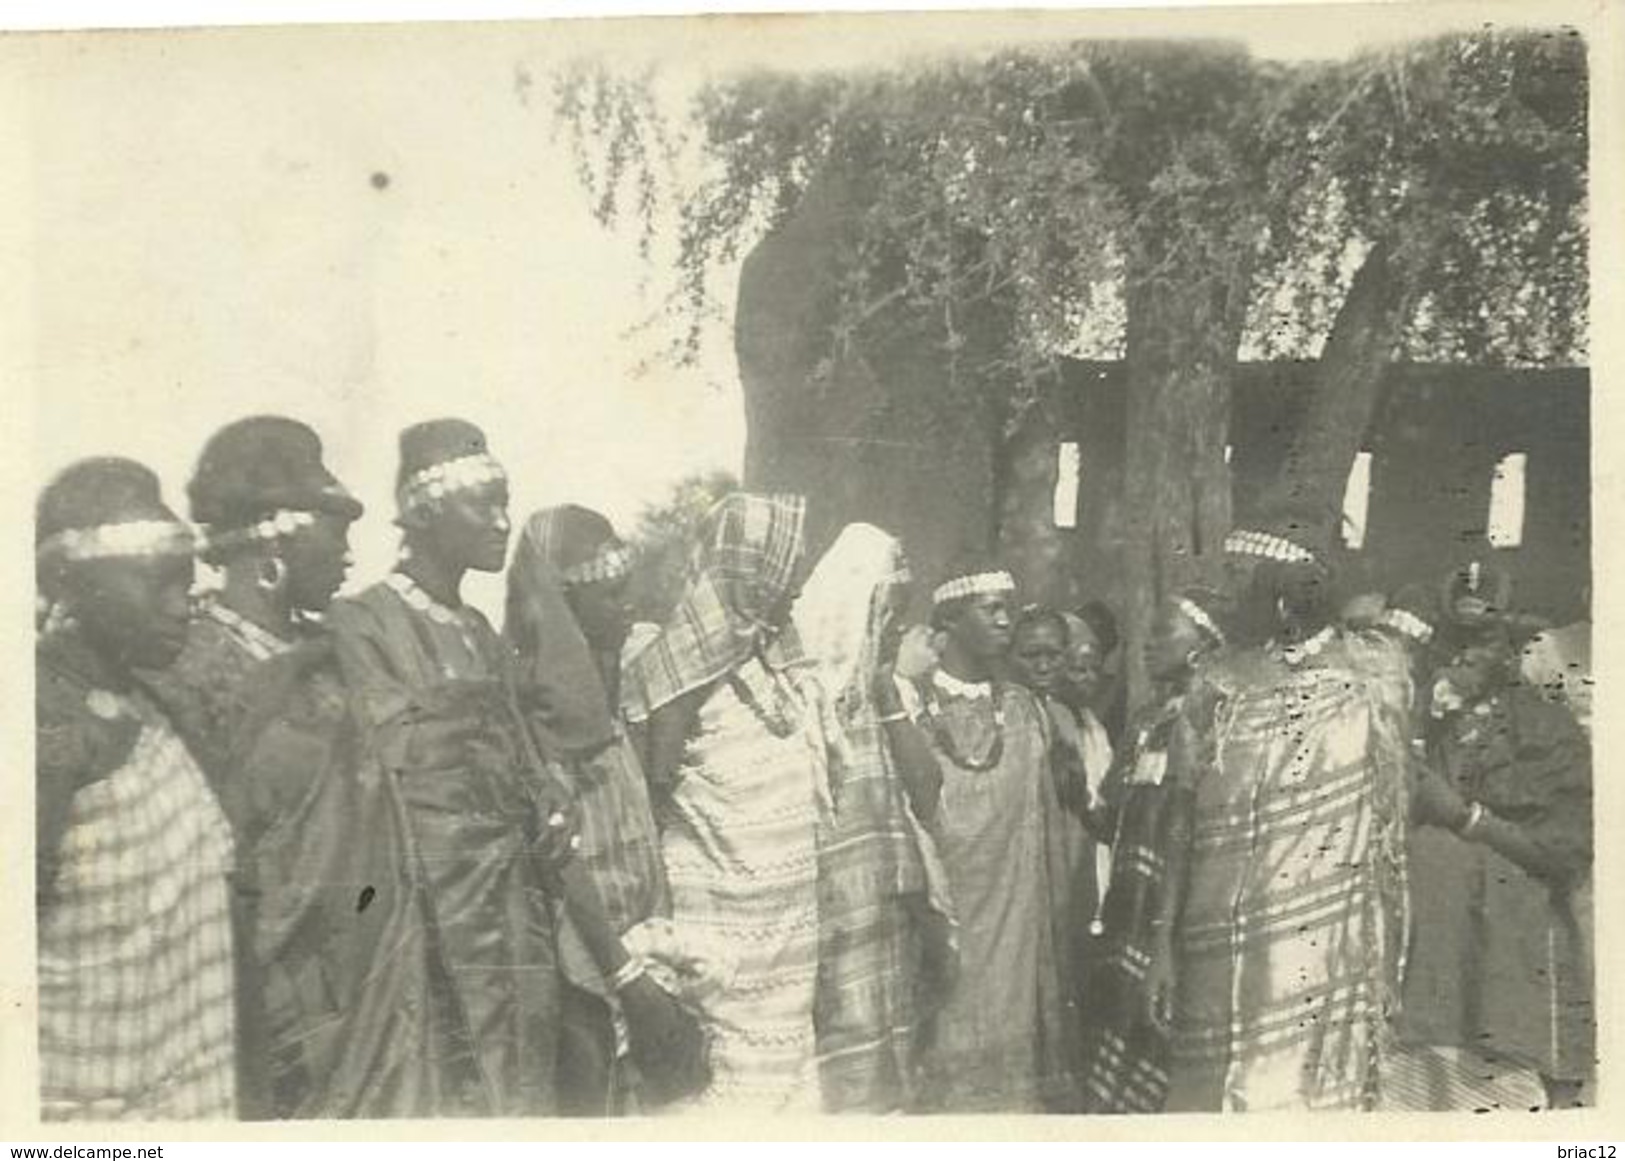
1357 501
1507 501
1068 464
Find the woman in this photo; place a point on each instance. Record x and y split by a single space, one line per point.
276 524
1126 1067
488 823
1095 678
136 1007
1498 974
882 920
736 755
1042 656
1004 1041
567 622
1279 942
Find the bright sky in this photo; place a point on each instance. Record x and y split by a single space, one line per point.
210 239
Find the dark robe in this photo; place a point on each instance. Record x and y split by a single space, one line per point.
443 731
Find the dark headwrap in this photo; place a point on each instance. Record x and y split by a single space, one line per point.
553 655
440 457
261 478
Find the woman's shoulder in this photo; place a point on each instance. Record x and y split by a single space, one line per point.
82 733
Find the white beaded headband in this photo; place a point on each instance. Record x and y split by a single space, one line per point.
284 522
437 481
976 585
1268 546
133 538
1406 622
1198 616
611 562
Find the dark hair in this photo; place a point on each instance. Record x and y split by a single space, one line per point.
1103 623
1034 615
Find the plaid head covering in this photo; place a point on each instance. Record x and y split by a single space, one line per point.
552 653
743 564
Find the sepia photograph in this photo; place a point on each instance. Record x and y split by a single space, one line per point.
896 565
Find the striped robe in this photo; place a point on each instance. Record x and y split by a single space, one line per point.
740 843
1288 947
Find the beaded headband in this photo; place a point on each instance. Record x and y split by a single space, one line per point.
1268 546
976 585
1408 623
133 538
437 481
611 562
1198 616
284 522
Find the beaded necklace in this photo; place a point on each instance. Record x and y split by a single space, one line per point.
944 737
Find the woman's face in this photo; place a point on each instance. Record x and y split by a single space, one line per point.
318 559
1040 655
1174 641
603 609
134 612
468 529
1083 665
982 628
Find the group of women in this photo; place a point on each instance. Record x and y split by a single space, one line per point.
308 856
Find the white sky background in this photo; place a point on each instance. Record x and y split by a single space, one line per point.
207 243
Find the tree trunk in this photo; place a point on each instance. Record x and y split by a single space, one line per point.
1184 328
1348 381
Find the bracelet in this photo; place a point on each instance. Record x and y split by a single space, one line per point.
1475 818
893 718
629 973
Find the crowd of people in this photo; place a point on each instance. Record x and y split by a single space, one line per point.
827 840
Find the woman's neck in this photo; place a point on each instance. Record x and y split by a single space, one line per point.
243 595
959 663
440 580
76 653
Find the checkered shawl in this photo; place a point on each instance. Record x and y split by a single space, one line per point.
136 1016
744 562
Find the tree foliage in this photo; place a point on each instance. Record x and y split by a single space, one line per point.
661 539
1035 176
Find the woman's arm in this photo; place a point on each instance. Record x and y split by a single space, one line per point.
1187 755
668 733
911 750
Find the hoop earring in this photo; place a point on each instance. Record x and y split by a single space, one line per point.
273 575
